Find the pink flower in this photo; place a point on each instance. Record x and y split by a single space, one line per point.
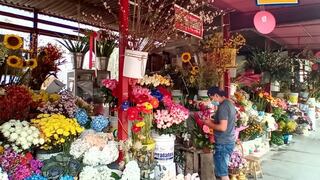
138 91
206 129
167 101
110 84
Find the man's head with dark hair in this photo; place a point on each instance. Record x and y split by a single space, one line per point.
216 94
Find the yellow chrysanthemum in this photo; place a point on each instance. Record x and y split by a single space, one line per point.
32 63
13 42
15 61
140 124
185 57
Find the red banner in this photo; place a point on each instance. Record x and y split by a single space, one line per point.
188 22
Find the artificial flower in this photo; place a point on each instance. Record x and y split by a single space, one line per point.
133 114
13 42
155 103
140 124
15 61
99 123
136 129
186 57
32 63
81 116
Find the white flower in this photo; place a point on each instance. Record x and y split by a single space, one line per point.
89 173
3 175
131 172
23 134
13 136
35 141
30 138
41 141
12 129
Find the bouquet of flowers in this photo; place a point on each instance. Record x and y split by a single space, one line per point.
155 81
65 105
237 162
108 89
171 121
262 99
56 129
280 103
15 102
20 136
19 166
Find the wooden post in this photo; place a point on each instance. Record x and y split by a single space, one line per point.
123 81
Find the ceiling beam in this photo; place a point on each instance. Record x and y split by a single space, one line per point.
290 15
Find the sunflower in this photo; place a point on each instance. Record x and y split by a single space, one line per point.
195 70
15 61
24 64
186 57
12 41
32 63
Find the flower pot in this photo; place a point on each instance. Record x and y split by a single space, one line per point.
135 63
77 60
203 94
102 63
164 151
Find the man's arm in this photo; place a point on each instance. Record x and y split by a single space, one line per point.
222 126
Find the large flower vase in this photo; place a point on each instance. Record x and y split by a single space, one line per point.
102 63
77 60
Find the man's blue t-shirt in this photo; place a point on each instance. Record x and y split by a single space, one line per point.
226 111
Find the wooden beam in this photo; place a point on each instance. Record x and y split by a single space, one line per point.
289 15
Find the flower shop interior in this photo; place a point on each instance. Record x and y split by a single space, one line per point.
110 90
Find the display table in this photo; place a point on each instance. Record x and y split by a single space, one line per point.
198 161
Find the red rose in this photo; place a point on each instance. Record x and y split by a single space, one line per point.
136 129
142 98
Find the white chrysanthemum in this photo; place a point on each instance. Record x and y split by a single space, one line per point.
131 172
90 173
12 137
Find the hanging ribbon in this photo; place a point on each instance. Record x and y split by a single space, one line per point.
93 35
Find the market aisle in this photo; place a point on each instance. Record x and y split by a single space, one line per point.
298 161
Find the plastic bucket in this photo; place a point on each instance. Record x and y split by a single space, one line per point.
293 98
177 96
203 94
164 151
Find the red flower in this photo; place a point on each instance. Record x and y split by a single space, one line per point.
133 114
144 108
29 156
142 98
136 129
164 91
154 102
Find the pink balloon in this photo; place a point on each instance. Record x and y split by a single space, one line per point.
264 22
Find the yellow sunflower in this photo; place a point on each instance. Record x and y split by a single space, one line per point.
186 57
12 41
24 64
15 61
195 70
32 63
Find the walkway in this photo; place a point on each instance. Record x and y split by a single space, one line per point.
298 161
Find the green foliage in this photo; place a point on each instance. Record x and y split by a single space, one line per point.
279 66
200 140
176 129
80 46
208 76
107 93
105 48
280 115
277 138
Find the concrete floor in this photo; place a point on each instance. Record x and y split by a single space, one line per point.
299 160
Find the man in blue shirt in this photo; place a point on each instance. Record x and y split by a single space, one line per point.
223 126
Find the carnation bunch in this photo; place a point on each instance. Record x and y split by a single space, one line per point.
19 166
20 136
66 105
56 129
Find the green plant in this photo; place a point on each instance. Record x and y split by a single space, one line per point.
208 76
60 165
105 48
79 46
277 138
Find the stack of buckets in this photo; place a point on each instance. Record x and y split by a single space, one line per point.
164 155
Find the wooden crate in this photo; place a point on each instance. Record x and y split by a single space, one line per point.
198 161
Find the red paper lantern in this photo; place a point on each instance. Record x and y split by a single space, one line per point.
264 22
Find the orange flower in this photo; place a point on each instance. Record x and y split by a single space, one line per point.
154 102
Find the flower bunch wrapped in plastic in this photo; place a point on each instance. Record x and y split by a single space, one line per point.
110 84
131 172
20 136
15 103
155 81
66 105
56 129
237 162
19 166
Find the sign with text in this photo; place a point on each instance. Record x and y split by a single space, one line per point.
188 22
276 2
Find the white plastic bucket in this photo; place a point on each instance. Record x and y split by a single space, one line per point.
164 151
177 96
203 94
135 63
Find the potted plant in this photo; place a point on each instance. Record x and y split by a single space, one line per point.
77 48
103 51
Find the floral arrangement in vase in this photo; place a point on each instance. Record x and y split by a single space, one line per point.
20 135
15 103
57 130
19 166
108 90
237 162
